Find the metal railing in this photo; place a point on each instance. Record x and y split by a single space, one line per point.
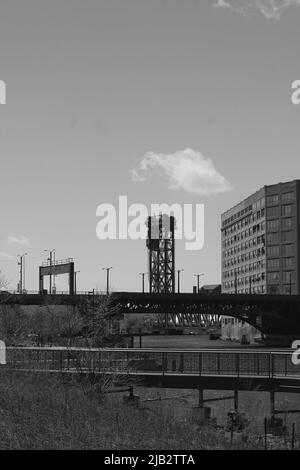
58 262
230 363
57 292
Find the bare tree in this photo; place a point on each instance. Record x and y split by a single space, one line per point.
13 321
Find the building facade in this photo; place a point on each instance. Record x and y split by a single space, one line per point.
261 242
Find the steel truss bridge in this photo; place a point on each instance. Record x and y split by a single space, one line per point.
270 314
219 369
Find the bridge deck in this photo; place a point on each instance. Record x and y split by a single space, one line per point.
215 369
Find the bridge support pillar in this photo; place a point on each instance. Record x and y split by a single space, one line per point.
131 398
201 414
272 403
236 421
275 425
236 401
200 397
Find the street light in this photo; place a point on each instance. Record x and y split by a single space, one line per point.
198 281
107 278
143 281
21 263
178 279
50 259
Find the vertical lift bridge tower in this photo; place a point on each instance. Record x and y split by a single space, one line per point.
161 249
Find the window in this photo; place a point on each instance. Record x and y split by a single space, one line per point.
273 211
273 250
288 276
273 277
288 289
274 199
287 197
273 263
287 210
287 262
273 225
287 250
288 236
272 238
273 289
287 223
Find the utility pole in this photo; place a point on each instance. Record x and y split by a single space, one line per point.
143 281
107 278
290 283
198 281
75 281
250 288
178 279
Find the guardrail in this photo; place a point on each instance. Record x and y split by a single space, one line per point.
186 362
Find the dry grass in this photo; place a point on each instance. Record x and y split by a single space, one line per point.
47 412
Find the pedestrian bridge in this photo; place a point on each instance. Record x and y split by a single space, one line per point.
223 369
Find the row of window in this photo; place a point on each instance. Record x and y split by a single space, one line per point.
259 205
286 211
258 265
287 276
271 289
285 197
273 225
274 250
286 289
245 257
244 223
256 241
245 233
237 215
245 281
254 290
272 237
274 263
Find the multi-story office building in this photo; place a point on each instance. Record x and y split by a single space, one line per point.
261 248
261 242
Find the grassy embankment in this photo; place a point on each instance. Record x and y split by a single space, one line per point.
47 412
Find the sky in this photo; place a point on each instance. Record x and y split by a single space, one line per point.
159 100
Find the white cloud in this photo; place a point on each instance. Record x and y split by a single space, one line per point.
21 241
268 8
186 169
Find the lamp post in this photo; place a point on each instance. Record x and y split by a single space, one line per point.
107 278
198 280
143 281
21 263
178 279
50 260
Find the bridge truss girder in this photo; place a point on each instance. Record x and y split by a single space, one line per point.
272 314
